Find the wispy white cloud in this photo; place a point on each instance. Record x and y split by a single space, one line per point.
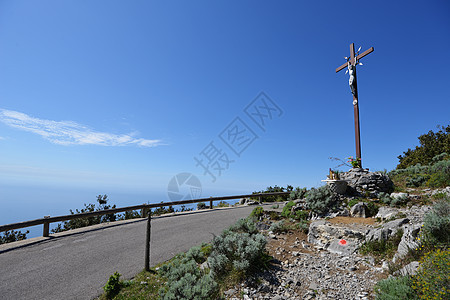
70 133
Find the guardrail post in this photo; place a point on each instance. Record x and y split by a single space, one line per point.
147 242
46 227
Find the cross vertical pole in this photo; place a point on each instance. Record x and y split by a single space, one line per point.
352 61
356 108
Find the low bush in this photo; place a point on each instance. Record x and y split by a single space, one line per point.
185 280
436 174
373 209
287 209
223 204
300 215
352 202
257 212
238 251
417 180
386 199
382 248
246 225
279 227
274 189
273 215
298 193
433 279
201 205
132 214
303 226
436 227
113 285
394 289
321 200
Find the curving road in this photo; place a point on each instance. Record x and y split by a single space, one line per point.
76 264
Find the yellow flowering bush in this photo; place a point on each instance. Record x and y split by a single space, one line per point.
433 279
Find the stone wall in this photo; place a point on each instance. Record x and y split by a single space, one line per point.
361 181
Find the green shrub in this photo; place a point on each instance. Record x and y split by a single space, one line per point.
394 289
417 180
373 209
438 180
433 280
439 196
303 226
274 189
273 215
352 202
300 215
436 174
257 212
279 227
196 254
320 200
102 201
201 205
436 227
386 199
237 252
13 236
246 225
287 209
132 214
298 193
206 249
113 285
185 280
223 204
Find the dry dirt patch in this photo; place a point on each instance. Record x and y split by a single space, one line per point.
351 220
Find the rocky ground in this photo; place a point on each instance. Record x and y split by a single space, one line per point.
325 264
305 271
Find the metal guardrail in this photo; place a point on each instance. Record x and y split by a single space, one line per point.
143 207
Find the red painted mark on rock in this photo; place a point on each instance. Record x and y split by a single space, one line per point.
342 242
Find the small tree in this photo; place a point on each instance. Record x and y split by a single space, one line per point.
13 236
431 144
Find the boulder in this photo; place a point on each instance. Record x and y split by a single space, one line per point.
386 230
399 196
359 210
326 235
409 241
408 270
343 246
386 212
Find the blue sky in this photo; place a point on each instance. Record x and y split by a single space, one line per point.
117 97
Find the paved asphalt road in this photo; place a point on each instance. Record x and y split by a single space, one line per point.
77 264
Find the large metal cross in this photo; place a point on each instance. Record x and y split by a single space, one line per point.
351 63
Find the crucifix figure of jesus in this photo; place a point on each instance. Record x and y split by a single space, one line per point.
351 63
